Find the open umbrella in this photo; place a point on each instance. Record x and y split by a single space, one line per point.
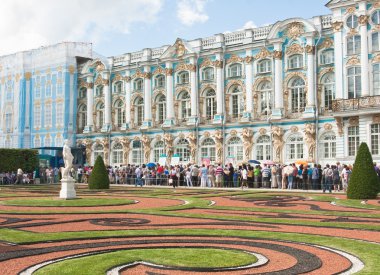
301 161
151 165
254 161
269 162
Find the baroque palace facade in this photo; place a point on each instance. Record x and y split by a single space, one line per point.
298 89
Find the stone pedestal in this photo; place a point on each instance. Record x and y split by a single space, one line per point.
67 189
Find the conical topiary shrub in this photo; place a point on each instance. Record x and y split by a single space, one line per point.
99 176
363 183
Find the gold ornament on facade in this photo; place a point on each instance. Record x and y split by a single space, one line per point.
350 10
185 67
127 79
376 119
147 75
291 75
324 71
218 137
218 63
277 55
159 70
206 134
98 80
117 78
294 129
353 61
17 77
168 72
295 30
28 75
193 145
180 48
376 5
339 125
146 144
248 59
309 49
264 53
233 133
262 131
294 49
310 139
234 58
71 69
99 66
206 63
327 43
363 19
207 86
328 127
247 142
352 32
337 26
235 82
168 139
376 59
353 121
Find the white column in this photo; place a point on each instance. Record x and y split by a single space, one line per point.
310 76
90 104
71 129
193 87
169 91
147 97
278 94
363 20
249 82
127 100
338 58
27 138
219 85
107 103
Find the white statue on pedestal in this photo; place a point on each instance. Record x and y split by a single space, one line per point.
67 182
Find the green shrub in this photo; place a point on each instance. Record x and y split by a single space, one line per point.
12 159
99 176
364 183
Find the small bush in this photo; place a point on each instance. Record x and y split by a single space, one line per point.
364 183
99 176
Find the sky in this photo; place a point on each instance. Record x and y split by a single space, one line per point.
120 26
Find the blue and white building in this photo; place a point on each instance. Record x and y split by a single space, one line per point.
297 89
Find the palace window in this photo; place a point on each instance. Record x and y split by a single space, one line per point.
137 152
298 97
59 141
60 84
354 82
117 154
375 41
82 115
210 104
158 150
159 81
99 91
327 57
208 74
235 149
353 45
100 115
138 85
98 151
37 142
352 21
48 141
183 78
237 103
82 93
295 61
37 116
353 140
59 113
8 121
118 87
185 105
48 115
376 79
235 70
264 66
182 149
120 114
294 147
8 143
327 145
48 86
161 109
208 149
263 148
265 90
328 90
375 139
139 107
375 17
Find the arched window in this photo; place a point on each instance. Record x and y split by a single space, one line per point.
265 90
375 41
117 154
37 116
210 104
158 150
353 44
235 70
100 115
263 148
59 113
376 79
59 141
82 114
99 91
298 97
354 82
118 87
183 78
264 66
294 147
137 152
353 140
159 81
139 111
8 120
48 115
37 142
208 149
182 149
375 17
328 90
327 57
98 151
208 74
375 139
352 21
48 141
138 85
327 145
120 114
295 61
235 149
237 103
161 109
82 92
185 109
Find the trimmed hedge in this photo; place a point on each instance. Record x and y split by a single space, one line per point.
364 183
12 159
99 176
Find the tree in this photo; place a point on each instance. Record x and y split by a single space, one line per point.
364 183
12 159
99 176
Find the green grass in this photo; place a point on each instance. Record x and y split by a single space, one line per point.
67 203
174 257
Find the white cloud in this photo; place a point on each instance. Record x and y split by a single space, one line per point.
248 25
30 24
190 12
